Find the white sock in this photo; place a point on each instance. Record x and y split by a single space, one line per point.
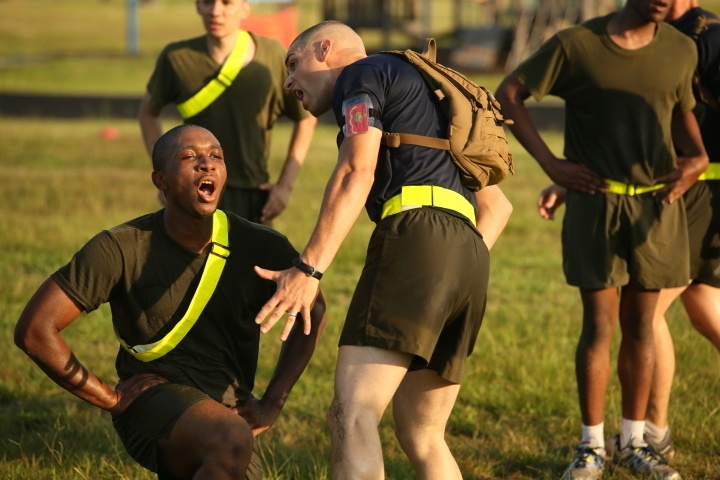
593 435
655 433
631 431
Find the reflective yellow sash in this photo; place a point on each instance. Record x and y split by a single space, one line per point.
230 69
208 281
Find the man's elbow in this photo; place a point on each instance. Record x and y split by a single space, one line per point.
511 92
26 338
504 207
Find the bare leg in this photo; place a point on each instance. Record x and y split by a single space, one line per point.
702 303
209 441
657 410
636 361
366 379
421 408
592 358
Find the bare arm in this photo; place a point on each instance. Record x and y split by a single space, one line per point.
294 356
512 95
37 333
344 199
150 124
297 152
494 210
692 162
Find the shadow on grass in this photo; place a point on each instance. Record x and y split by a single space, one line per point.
55 430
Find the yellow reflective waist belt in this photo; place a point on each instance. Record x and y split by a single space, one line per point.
416 196
712 172
230 69
208 281
627 189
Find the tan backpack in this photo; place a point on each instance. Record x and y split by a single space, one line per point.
476 138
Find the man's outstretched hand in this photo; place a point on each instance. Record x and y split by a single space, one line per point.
295 295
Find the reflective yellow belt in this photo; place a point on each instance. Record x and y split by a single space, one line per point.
416 196
712 173
208 281
230 69
628 189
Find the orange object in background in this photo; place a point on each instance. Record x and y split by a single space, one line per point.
280 25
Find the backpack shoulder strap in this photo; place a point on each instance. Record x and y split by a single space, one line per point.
394 140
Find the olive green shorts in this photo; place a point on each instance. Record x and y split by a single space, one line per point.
422 290
702 202
152 415
244 202
611 240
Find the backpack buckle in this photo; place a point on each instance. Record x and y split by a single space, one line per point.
391 140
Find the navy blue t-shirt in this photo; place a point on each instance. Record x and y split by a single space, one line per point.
708 46
402 103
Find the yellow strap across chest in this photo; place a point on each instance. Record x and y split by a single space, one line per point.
230 69
208 281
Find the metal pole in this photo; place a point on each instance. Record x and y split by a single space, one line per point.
427 18
132 27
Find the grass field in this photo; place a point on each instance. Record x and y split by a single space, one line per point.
517 414
81 48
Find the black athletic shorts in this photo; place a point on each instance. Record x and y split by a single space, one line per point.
152 415
611 240
422 290
702 202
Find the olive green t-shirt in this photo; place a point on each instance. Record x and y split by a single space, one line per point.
618 102
242 117
148 279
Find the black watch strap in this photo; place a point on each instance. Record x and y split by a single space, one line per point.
307 269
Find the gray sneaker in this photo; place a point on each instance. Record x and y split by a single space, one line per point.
645 461
588 463
664 446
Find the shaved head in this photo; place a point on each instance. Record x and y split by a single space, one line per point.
347 43
315 60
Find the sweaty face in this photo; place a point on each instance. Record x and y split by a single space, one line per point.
194 172
222 17
309 79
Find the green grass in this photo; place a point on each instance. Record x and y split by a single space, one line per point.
81 47
516 416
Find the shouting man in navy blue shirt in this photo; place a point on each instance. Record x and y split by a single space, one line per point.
420 300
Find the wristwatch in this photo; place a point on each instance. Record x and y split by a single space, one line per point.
307 269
